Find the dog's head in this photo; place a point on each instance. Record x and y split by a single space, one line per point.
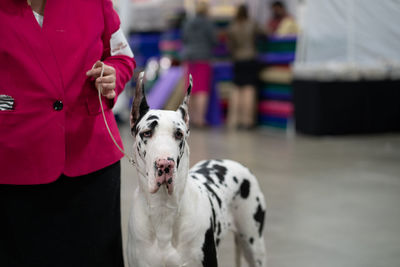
160 142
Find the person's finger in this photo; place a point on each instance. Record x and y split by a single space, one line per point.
108 70
108 86
110 94
106 79
97 64
95 69
105 87
94 72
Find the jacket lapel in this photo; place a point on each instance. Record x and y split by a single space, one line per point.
36 39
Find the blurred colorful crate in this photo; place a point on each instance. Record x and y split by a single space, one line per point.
277 44
275 113
278 74
274 121
277 57
275 107
277 91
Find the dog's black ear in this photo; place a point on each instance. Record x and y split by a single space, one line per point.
139 106
184 107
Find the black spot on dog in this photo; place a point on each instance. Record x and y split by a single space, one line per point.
216 185
145 142
153 125
181 144
217 241
209 249
245 189
183 112
206 172
215 195
160 172
218 229
170 181
220 172
204 165
235 179
259 218
152 117
251 240
213 213
166 170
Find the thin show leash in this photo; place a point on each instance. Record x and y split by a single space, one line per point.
131 160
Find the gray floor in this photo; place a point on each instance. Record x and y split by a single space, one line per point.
332 201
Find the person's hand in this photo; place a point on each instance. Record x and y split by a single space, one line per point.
107 82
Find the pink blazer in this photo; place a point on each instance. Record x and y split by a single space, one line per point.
56 126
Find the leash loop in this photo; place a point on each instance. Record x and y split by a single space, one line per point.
130 159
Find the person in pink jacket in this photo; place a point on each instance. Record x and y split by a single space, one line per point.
59 169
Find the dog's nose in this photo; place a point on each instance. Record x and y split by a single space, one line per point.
164 173
165 166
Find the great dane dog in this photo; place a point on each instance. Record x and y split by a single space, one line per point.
179 215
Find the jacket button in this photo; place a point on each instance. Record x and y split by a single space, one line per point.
58 105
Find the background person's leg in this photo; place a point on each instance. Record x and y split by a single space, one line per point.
248 105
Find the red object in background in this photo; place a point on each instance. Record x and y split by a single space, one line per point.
277 108
201 72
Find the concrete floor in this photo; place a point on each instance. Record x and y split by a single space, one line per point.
332 201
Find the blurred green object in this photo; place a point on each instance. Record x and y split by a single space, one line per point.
265 46
278 47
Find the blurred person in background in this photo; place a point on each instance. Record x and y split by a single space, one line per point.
198 39
242 34
281 23
60 171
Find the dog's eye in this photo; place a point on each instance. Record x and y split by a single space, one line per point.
178 135
148 133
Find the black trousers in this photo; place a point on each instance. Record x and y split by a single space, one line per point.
73 222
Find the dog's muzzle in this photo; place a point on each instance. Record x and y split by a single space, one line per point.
164 172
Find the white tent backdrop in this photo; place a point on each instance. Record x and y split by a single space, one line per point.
349 39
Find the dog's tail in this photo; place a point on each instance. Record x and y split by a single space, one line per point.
238 256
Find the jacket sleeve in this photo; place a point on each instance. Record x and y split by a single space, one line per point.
117 52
